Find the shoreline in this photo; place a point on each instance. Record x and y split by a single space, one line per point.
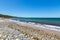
39 30
35 32
44 26
37 22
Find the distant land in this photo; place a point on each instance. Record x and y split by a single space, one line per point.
7 16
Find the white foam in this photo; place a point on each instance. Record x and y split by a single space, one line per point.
50 27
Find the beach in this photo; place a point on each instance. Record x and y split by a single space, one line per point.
26 31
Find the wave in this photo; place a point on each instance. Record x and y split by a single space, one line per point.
46 26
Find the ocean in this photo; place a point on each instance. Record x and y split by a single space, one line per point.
50 21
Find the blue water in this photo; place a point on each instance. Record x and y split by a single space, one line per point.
50 21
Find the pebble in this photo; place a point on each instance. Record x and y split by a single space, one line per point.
12 34
6 35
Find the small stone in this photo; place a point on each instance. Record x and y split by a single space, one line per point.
4 36
52 38
31 37
44 39
0 35
35 38
1 39
17 38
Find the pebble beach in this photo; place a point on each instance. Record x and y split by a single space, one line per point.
10 30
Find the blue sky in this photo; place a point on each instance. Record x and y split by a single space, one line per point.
30 8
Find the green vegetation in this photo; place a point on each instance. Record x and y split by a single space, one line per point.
7 16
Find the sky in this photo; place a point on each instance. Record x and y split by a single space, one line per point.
30 8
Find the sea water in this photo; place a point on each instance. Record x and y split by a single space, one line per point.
50 21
